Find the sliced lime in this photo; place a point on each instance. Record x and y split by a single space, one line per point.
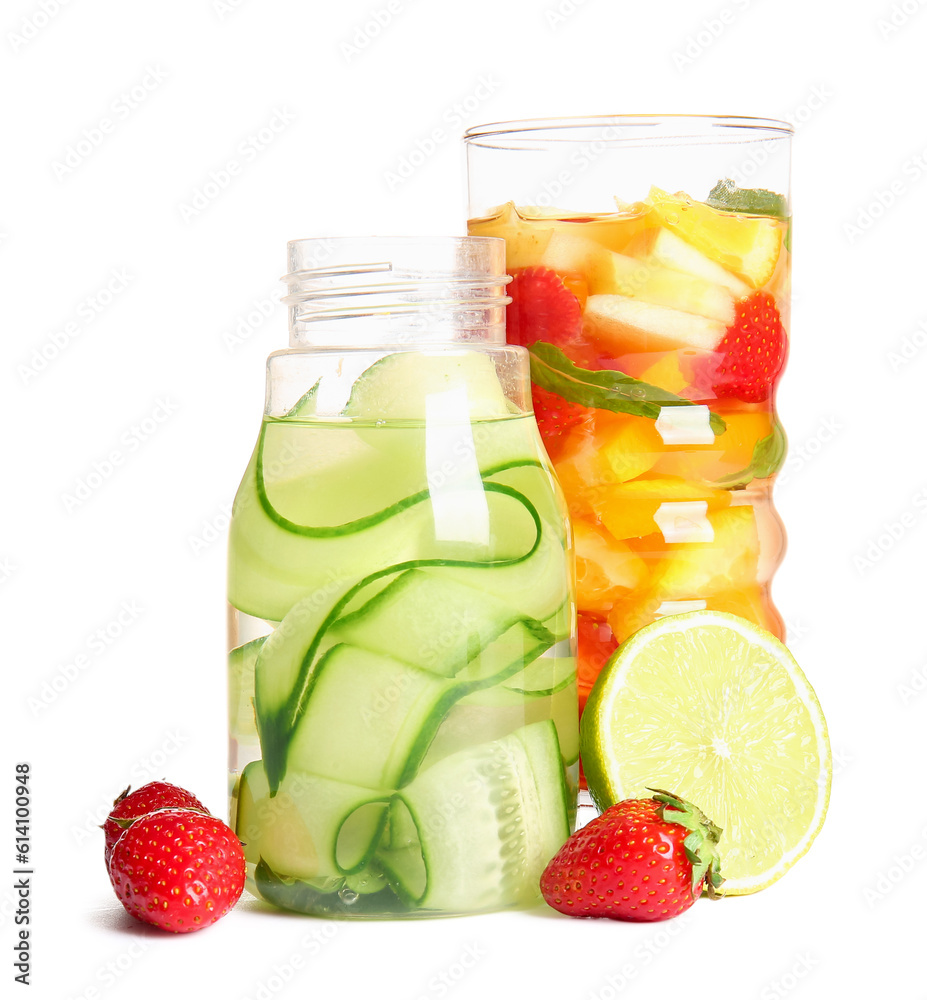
710 705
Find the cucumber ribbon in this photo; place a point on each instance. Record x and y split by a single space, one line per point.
277 717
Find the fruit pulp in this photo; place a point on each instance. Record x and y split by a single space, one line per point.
402 683
671 504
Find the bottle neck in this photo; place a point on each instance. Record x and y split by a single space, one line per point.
388 292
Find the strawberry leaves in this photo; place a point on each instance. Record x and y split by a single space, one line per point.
701 844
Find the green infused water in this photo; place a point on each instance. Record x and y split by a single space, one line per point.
403 703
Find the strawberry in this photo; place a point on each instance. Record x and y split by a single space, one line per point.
127 808
179 869
543 308
555 416
752 352
642 859
596 645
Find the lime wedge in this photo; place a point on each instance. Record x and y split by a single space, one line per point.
716 709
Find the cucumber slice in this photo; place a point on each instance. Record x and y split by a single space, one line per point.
366 716
500 704
497 710
312 828
242 662
285 667
486 711
283 657
398 386
323 474
306 404
564 711
545 754
539 581
428 620
523 642
545 676
370 880
470 724
274 562
336 898
537 484
560 623
487 820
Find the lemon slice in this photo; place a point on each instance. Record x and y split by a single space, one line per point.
715 709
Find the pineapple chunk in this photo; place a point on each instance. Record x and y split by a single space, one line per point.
676 508
625 325
728 562
614 448
569 253
606 568
617 274
627 615
668 372
660 246
748 245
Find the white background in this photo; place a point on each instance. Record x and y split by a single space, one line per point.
147 544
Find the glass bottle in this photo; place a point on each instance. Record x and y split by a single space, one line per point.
403 701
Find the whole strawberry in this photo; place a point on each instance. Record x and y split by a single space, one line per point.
752 352
179 869
642 859
129 807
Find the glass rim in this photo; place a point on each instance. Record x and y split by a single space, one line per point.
711 128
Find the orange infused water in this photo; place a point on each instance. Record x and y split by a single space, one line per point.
658 333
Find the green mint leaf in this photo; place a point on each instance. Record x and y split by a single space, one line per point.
728 197
768 456
551 369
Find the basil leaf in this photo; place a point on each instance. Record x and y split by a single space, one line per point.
728 197
551 369
768 456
